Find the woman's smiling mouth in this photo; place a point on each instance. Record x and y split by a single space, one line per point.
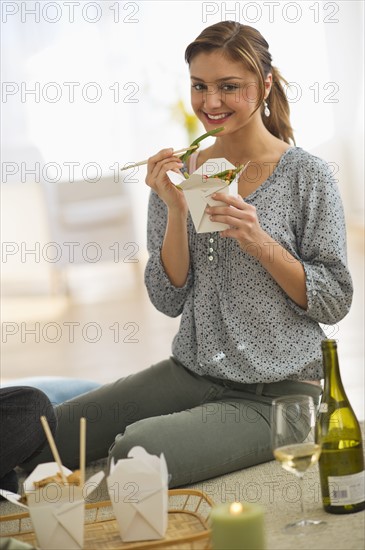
219 117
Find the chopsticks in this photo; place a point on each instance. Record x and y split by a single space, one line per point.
142 162
54 450
82 450
56 455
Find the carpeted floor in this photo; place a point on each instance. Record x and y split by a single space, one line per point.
278 492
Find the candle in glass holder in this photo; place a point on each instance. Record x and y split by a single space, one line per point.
238 526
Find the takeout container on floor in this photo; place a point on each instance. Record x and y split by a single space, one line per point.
138 490
57 511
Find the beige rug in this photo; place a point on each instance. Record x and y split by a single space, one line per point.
278 492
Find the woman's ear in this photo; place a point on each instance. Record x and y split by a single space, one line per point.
268 84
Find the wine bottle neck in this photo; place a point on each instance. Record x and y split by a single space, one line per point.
333 386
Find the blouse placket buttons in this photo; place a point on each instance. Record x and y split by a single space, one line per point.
211 250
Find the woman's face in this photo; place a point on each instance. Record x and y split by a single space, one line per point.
223 92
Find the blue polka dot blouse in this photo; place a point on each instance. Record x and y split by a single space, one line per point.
236 321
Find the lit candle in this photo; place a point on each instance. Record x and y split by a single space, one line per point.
238 526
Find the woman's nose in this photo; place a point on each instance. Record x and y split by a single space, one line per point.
212 98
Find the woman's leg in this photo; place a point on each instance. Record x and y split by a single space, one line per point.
21 433
216 437
57 388
206 441
162 389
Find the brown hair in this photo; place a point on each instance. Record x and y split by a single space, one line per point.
244 43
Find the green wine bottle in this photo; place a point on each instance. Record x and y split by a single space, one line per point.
341 464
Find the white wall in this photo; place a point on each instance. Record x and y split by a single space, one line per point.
316 45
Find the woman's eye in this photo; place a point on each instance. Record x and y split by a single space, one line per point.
230 87
226 88
198 87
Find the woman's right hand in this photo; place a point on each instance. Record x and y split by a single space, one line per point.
158 180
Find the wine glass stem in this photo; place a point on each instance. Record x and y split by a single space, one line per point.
301 487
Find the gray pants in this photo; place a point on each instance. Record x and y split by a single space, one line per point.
205 427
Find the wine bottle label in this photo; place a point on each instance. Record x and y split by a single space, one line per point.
347 489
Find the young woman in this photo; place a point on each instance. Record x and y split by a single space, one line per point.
250 297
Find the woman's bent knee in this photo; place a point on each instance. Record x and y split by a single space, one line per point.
135 435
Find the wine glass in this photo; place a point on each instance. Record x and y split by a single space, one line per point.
294 445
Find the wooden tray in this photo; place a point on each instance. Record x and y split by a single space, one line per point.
188 513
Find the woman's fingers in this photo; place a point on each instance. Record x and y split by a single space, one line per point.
164 165
234 206
159 164
224 211
164 153
159 176
158 180
163 156
232 200
235 212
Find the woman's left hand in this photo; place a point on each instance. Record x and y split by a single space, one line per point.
242 219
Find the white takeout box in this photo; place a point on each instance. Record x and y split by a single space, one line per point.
138 490
198 192
56 511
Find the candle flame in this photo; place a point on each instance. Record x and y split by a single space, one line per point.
236 508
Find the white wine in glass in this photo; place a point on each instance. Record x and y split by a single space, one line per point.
294 445
299 457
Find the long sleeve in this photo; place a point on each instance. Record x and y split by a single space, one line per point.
165 297
321 242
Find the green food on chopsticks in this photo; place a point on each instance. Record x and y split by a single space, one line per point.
228 175
196 141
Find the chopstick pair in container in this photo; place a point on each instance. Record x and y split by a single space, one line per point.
56 455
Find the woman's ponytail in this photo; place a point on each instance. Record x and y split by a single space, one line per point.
278 122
